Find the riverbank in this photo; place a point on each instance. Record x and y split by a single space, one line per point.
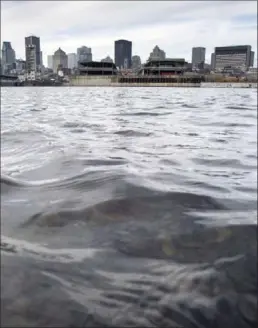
181 82
115 81
242 85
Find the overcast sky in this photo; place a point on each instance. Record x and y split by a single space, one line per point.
174 26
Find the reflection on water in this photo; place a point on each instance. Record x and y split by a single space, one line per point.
128 207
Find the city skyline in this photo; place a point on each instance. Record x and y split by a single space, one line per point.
175 27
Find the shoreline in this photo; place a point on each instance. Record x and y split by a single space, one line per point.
209 85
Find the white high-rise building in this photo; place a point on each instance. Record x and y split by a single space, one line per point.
72 60
157 54
60 60
50 61
136 62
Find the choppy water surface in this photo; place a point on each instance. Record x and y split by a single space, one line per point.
131 207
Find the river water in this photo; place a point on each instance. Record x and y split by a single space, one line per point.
131 207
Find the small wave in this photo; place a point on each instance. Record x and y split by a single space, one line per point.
141 208
219 140
146 114
243 125
23 133
104 162
239 107
232 163
75 125
90 177
189 106
25 248
38 109
132 133
79 130
7 181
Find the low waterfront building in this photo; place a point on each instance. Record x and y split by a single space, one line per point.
64 71
9 80
232 71
253 70
196 79
252 74
97 68
165 67
33 76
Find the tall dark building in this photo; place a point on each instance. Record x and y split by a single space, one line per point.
251 59
35 42
198 57
123 54
213 61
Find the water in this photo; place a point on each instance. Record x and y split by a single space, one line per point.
131 207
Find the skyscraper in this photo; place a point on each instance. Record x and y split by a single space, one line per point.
72 60
251 64
234 56
136 62
41 58
33 42
213 61
84 54
8 56
60 60
157 54
198 57
123 54
31 62
50 61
